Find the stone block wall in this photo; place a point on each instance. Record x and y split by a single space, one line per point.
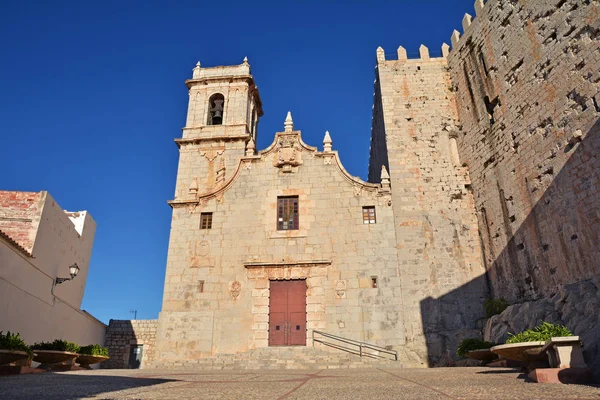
436 227
122 334
526 76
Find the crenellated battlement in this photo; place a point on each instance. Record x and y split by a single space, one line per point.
402 55
466 22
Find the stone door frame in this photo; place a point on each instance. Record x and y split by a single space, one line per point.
260 274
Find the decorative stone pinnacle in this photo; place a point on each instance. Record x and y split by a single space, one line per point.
250 147
385 178
384 173
288 124
327 142
245 60
193 189
196 71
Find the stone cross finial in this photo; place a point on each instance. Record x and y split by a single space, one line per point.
385 178
424 52
380 54
402 56
250 147
196 71
288 124
445 50
327 142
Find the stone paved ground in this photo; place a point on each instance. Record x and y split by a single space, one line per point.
373 383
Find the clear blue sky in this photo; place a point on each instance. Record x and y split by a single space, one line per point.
92 96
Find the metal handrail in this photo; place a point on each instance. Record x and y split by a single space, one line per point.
361 346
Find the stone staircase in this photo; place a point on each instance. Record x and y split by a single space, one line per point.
298 357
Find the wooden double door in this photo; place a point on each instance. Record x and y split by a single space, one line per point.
287 313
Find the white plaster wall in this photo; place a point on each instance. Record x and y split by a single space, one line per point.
59 244
28 307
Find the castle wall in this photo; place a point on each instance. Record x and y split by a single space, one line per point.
437 238
527 77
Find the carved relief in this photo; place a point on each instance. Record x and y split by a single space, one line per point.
340 289
199 251
212 154
235 288
288 153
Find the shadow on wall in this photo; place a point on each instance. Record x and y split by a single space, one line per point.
70 386
549 269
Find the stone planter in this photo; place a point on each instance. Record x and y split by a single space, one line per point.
53 359
526 352
11 356
85 360
485 355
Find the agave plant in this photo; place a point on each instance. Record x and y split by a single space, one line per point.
541 333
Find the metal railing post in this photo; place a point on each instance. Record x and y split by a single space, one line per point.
360 347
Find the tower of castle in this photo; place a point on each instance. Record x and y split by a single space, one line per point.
414 133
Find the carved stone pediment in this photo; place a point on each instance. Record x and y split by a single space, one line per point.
289 153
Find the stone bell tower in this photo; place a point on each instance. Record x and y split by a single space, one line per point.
221 127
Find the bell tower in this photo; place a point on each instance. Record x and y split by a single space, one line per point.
222 120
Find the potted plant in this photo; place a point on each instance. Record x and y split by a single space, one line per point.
476 349
13 348
527 346
92 354
57 352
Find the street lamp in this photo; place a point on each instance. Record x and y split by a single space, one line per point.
73 270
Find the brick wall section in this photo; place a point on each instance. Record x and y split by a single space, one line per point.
436 226
533 157
121 334
19 216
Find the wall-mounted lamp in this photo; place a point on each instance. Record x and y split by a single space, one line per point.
73 270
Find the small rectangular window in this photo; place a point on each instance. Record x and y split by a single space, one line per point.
369 215
287 213
206 221
374 282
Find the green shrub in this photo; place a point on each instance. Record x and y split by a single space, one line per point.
94 350
471 344
13 341
58 345
541 333
494 306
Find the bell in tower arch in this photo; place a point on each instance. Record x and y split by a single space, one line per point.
215 116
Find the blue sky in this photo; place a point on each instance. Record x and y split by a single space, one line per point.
92 96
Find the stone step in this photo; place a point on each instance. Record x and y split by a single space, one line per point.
280 358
